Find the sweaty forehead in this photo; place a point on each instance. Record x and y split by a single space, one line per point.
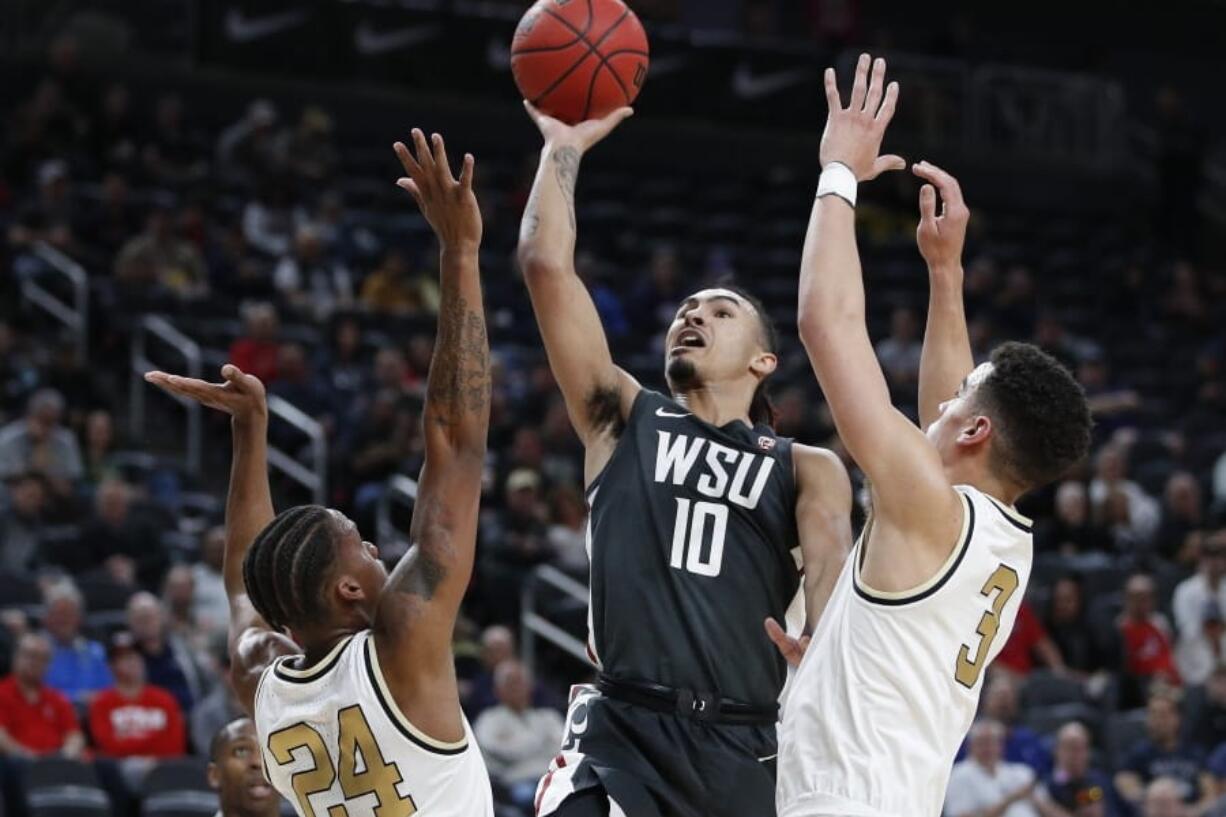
717 294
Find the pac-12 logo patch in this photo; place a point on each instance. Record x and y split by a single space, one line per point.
766 443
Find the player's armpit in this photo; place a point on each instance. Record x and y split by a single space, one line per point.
823 523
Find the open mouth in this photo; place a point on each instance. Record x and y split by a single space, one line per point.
259 790
688 339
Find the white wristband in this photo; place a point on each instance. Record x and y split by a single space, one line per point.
838 180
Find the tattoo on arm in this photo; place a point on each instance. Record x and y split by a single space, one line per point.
422 571
458 387
566 170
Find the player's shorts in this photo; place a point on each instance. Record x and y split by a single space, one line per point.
660 764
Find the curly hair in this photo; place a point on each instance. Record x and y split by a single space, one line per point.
286 565
1041 416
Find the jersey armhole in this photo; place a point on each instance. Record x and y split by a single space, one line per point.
403 725
636 410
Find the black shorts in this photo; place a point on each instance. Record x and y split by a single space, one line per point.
656 764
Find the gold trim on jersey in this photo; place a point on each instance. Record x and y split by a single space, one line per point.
932 584
1010 512
311 673
410 731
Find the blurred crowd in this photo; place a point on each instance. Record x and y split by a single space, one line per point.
255 232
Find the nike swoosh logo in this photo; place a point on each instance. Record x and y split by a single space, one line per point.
749 85
367 40
243 29
662 413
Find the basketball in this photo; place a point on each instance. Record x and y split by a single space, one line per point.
579 59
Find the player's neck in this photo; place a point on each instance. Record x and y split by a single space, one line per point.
977 475
317 644
717 404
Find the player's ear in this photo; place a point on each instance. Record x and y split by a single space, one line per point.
349 589
976 430
764 364
214 775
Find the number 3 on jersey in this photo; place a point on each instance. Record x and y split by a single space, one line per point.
378 777
690 529
1003 582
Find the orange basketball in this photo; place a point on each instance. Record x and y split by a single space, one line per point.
579 59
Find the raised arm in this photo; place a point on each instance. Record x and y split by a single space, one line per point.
947 358
598 394
253 645
417 609
909 486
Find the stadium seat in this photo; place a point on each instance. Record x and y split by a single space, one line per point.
1045 689
19 590
178 788
1124 730
102 594
57 787
1047 720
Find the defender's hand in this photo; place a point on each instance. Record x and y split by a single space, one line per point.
792 649
448 204
941 237
241 395
853 134
581 136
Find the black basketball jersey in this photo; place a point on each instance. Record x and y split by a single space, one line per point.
693 542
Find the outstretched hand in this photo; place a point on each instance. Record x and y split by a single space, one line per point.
448 204
940 237
583 135
792 649
853 134
239 395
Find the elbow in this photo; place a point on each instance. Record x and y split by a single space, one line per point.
536 265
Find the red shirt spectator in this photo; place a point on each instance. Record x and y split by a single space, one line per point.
34 718
257 352
135 719
1145 634
1027 635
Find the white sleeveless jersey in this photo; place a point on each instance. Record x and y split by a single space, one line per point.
335 743
889 686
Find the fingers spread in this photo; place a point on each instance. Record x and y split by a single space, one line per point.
406 159
466 171
440 157
424 157
886 112
410 187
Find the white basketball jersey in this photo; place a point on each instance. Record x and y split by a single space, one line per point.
888 688
335 743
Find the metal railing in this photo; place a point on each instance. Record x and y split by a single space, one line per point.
193 365
74 315
313 477
533 625
394 542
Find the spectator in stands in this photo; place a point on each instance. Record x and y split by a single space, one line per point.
345 364
1209 727
236 771
651 302
270 219
1075 787
135 719
248 148
175 154
1183 515
36 720
1072 530
1145 638
21 523
1051 335
568 529
78 665
518 540
1216 766
179 602
1163 754
1001 706
1118 501
389 289
39 444
899 352
118 539
382 439
1197 654
308 280
1162 799
517 739
168 663
985 783
298 385
1070 630
308 151
211 606
160 258
1208 584
99 448
1029 641
497 646
221 705
257 351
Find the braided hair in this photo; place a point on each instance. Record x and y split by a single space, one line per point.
286 565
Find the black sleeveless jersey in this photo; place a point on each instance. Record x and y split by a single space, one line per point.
693 542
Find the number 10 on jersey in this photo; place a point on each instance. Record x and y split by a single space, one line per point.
689 531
